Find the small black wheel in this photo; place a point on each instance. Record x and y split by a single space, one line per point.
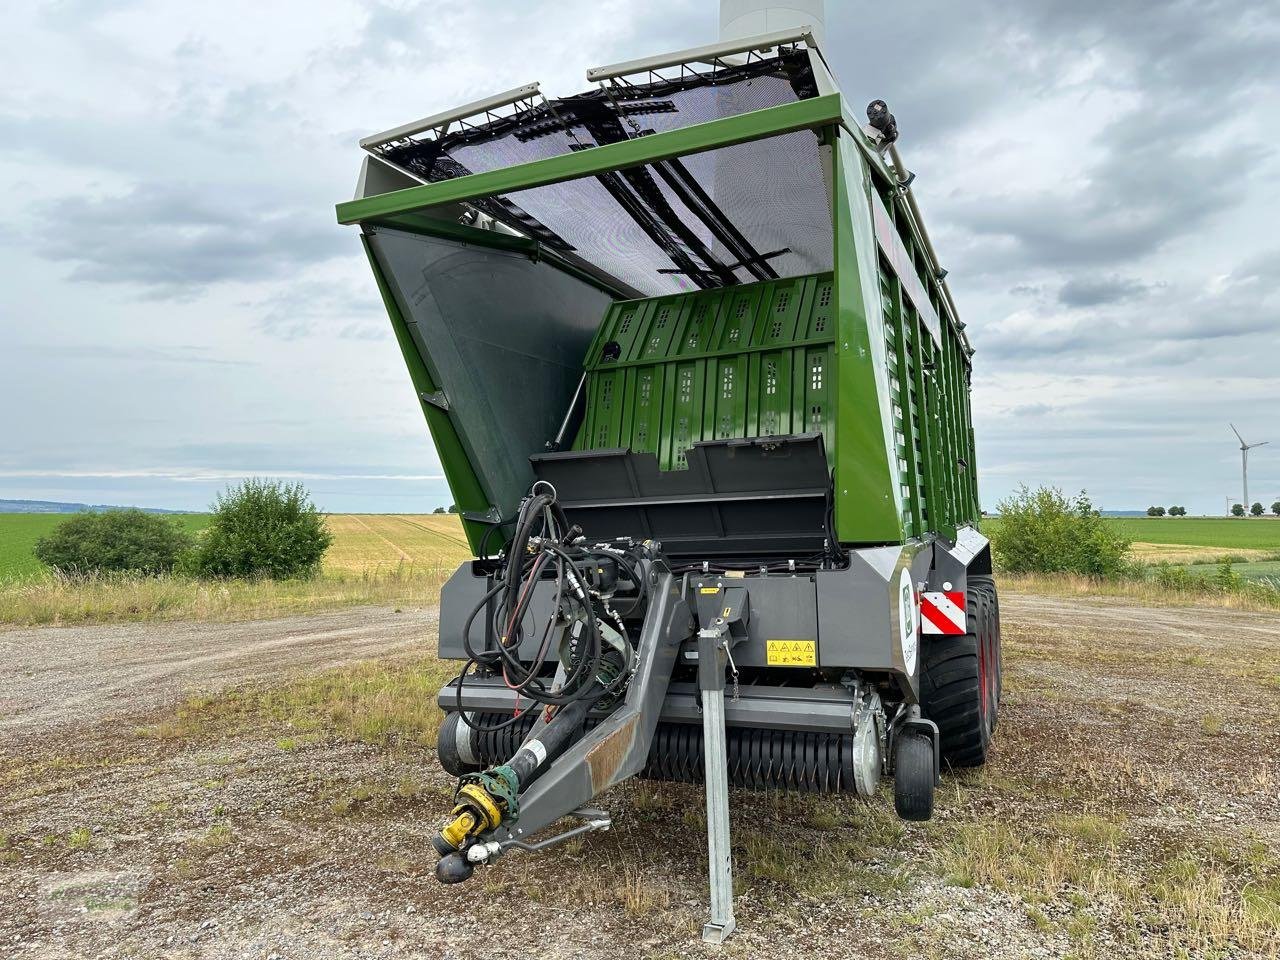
913 777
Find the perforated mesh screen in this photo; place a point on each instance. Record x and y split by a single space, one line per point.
754 211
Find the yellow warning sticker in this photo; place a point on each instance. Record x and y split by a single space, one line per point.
791 653
710 590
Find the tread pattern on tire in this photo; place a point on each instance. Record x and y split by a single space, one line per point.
949 680
913 777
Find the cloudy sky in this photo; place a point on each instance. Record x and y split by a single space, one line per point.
178 307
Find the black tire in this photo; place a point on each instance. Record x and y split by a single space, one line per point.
913 777
987 584
956 671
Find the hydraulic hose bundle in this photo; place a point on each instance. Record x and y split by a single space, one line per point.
545 545
583 634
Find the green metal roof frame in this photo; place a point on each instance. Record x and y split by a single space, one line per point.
755 125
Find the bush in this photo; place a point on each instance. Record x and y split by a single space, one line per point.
1041 531
262 528
128 541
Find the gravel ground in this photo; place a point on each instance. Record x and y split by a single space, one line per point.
1163 721
59 675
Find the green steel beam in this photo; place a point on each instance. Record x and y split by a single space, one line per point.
756 125
868 501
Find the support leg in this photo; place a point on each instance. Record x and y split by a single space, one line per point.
719 855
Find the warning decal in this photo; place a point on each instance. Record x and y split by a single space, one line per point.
791 653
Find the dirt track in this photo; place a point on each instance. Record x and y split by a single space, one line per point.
113 844
58 675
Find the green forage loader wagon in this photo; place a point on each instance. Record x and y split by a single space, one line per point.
702 398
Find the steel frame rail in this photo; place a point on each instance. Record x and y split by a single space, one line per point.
756 125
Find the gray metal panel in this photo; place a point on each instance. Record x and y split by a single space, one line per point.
782 608
860 614
460 595
503 336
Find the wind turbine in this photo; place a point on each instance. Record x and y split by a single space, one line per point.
1244 461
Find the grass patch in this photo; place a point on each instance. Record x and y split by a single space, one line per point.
378 702
80 839
1250 595
120 598
20 531
1090 829
217 837
1214 899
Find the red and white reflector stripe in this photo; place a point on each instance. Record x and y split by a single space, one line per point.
943 612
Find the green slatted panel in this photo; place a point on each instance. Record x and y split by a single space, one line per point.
815 383
745 361
646 414
663 325
735 329
726 401
700 324
758 360
769 410
683 423
776 324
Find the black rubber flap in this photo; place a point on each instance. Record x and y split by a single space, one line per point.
764 495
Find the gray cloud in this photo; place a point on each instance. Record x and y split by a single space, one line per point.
1093 292
174 239
1099 177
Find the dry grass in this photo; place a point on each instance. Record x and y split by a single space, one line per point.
1183 553
1254 597
376 702
1206 900
108 599
374 559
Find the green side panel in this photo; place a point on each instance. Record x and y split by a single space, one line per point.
747 361
468 495
868 501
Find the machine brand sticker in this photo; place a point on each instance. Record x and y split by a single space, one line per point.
908 637
791 653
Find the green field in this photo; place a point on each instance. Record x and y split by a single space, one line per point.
1227 533
1251 533
20 531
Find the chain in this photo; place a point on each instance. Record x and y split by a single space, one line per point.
733 669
